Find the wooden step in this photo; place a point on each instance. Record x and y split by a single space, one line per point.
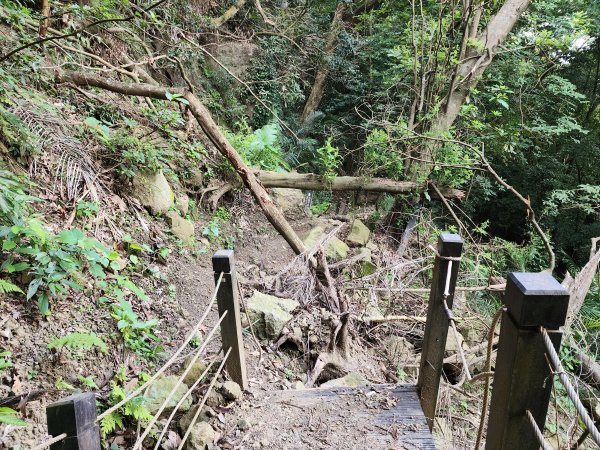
374 417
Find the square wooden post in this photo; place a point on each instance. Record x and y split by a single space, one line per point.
231 327
522 379
76 416
436 327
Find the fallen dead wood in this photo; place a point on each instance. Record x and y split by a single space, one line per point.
210 128
588 369
314 182
491 288
391 319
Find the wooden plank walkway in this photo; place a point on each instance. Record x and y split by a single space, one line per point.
374 417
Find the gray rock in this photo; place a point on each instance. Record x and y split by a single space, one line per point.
205 415
196 178
269 314
180 227
201 436
244 424
231 390
195 371
398 349
353 379
160 390
153 191
335 249
451 344
215 398
359 234
289 200
183 204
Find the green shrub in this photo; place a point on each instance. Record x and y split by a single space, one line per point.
260 148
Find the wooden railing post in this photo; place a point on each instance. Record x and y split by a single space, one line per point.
449 249
522 379
76 417
231 328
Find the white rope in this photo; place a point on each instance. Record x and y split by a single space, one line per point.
48 443
190 390
198 352
453 323
170 361
210 387
571 392
538 433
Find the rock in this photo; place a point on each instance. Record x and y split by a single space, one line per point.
231 390
298 385
365 263
335 249
205 415
353 379
215 398
180 227
160 390
183 204
201 436
196 178
289 200
153 191
269 314
399 350
196 370
359 234
244 424
451 344
236 55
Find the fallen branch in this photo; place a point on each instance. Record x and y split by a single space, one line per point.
391 319
212 131
588 369
579 287
314 182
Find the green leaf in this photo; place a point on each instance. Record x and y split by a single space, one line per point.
71 237
8 245
44 304
9 417
33 287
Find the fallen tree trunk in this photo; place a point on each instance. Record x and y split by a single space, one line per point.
210 128
314 182
588 369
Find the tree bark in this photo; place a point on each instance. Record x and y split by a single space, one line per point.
45 22
316 93
232 11
210 128
580 286
467 73
314 182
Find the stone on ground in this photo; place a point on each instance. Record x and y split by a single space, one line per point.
180 227
359 234
269 314
201 436
365 264
195 371
153 191
160 390
335 249
353 379
289 200
231 390
399 350
205 415
451 345
183 204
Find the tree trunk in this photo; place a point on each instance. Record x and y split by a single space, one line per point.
316 93
467 73
314 182
45 22
211 129
580 286
232 11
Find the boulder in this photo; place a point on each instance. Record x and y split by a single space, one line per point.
180 227
451 344
159 391
215 398
359 234
231 390
183 204
205 415
201 436
353 379
399 350
196 370
269 314
196 178
335 249
366 266
153 191
289 200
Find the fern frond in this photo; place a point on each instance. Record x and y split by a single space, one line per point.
7 287
78 340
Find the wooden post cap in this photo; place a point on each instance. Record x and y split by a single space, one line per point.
72 415
535 299
449 244
223 261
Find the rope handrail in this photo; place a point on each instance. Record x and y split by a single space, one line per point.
459 349
538 433
160 371
208 391
571 392
178 405
49 442
198 352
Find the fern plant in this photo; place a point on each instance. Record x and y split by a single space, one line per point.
10 417
6 287
80 341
